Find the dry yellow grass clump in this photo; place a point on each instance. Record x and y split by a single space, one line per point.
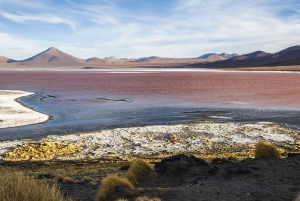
40 151
298 198
266 150
147 199
142 198
16 186
113 187
139 170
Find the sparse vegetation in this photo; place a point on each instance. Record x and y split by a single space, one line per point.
16 186
173 138
113 187
142 198
138 171
64 179
233 158
266 150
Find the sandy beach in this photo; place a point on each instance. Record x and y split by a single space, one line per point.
13 113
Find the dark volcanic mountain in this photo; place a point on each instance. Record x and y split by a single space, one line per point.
286 57
51 57
251 55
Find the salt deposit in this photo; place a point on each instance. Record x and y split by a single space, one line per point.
202 139
13 114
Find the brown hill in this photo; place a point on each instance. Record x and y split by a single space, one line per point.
214 57
95 60
50 57
3 59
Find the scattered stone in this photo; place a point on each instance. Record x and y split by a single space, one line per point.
293 154
178 164
238 169
213 170
220 161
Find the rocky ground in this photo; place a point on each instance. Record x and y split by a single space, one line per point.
183 177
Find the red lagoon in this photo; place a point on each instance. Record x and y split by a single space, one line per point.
240 89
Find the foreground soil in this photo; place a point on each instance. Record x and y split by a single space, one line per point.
182 177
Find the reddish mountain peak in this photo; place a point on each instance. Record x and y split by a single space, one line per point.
52 49
4 59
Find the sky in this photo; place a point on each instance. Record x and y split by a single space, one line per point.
141 28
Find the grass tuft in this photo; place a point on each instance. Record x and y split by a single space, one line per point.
298 198
142 198
138 171
112 187
17 186
64 179
266 150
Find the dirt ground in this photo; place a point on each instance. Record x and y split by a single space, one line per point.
183 177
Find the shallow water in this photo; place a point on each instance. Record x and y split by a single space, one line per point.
86 101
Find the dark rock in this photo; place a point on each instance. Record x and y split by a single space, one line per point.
220 161
126 167
213 170
246 160
175 165
238 169
293 154
254 167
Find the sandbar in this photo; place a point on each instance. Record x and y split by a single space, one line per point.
13 113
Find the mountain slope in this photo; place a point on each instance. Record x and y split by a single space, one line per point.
252 55
3 59
52 57
217 57
95 60
286 57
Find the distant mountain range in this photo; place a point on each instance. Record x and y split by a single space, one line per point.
218 57
53 57
286 57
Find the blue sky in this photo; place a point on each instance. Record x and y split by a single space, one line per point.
139 28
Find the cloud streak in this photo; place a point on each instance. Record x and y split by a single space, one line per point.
44 18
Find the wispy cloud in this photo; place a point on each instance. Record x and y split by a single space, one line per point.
19 48
44 18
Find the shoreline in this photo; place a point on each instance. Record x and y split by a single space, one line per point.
14 113
206 140
156 69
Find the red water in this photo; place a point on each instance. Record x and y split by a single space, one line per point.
279 90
